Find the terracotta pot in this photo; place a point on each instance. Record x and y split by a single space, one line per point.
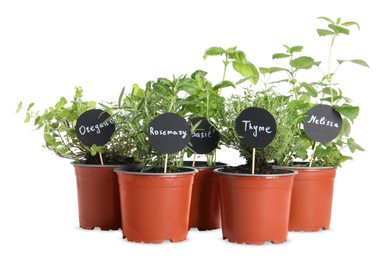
155 206
98 197
205 205
255 208
312 195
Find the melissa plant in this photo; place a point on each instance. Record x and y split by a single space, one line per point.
306 93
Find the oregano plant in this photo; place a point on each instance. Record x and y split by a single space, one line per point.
58 125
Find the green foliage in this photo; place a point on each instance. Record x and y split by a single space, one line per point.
238 60
58 125
278 105
324 90
138 108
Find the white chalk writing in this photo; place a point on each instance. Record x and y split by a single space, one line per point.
256 128
322 121
181 133
94 128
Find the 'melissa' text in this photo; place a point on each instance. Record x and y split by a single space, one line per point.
322 121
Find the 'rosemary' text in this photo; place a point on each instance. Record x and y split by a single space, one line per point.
152 131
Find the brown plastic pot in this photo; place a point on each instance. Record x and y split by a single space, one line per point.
255 208
311 204
205 205
155 206
98 197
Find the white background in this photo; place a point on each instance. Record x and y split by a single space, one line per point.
49 47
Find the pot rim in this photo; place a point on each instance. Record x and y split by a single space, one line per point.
313 168
190 170
219 171
217 165
95 165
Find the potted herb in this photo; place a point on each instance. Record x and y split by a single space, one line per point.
323 140
255 197
155 198
204 102
97 186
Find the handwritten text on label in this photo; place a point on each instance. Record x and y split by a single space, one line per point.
256 128
94 128
315 120
152 131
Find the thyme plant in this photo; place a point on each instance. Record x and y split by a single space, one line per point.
259 93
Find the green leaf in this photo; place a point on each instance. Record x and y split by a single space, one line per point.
247 70
91 104
280 55
28 117
310 89
224 84
238 56
348 111
231 49
338 29
346 127
324 32
350 24
191 89
356 61
326 19
271 70
62 102
19 106
214 51
30 106
327 91
303 62
251 79
120 97
296 49
137 91
353 146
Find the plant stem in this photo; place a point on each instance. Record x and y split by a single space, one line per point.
313 152
329 68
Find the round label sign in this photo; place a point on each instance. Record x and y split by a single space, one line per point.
205 138
169 133
256 126
323 123
92 127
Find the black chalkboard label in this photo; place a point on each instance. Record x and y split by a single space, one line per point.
92 127
205 138
323 123
169 133
256 126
